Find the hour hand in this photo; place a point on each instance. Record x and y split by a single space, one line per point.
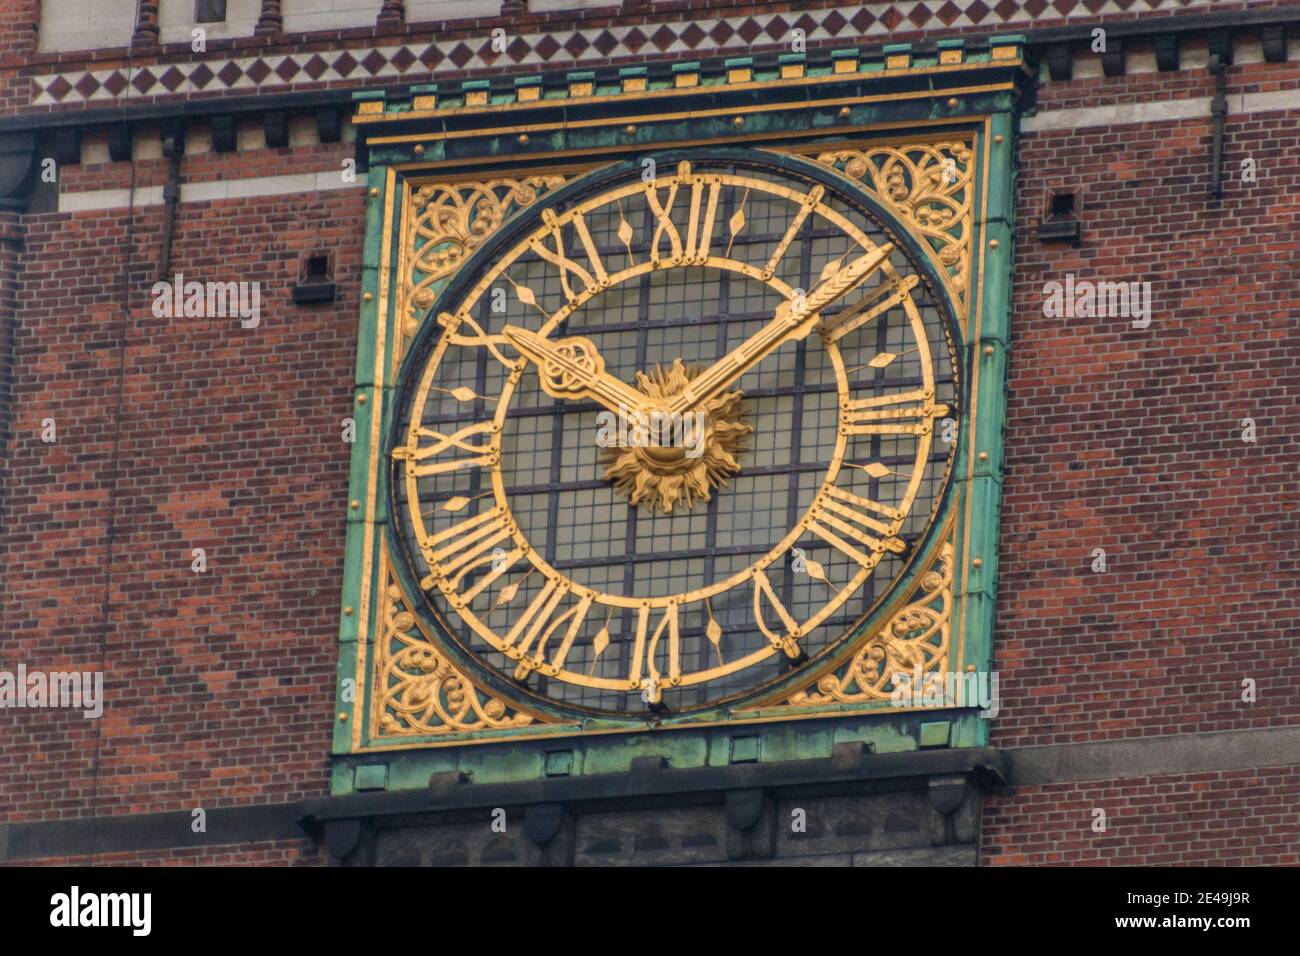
571 368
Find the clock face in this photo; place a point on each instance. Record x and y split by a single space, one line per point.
675 431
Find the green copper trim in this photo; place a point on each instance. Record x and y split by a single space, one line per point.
709 739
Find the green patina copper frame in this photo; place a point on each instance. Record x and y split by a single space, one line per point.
790 102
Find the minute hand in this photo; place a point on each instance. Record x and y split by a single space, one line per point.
784 326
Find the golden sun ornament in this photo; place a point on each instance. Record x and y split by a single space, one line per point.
674 473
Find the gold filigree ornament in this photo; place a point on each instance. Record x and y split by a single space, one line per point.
679 472
915 640
421 693
931 187
447 222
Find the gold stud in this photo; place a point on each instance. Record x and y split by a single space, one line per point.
988 350
738 122
342 716
347 611
419 149
953 102
984 456
366 297
523 139
993 243
845 112
355 504
361 399
977 563
630 129
998 138
970 668
374 192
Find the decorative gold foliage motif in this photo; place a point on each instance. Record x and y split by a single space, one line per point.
914 639
418 691
931 186
444 223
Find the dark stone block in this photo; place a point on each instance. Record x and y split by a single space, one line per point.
1112 61
329 127
1167 52
1273 39
276 124
224 134
1060 66
119 143
67 146
1220 42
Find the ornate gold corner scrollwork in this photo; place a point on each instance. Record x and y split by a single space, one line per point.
914 639
444 223
419 692
932 187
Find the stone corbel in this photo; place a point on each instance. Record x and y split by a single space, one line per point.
751 824
551 833
947 794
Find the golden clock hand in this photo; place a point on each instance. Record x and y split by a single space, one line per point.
785 325
571 368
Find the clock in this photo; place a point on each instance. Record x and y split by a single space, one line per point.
673 436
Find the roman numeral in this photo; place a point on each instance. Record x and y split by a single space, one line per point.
699 234
867 308
763 593
533 618
482 455
805 208
560 259
589 246
579 617
903 413
455 548
664 225
643 656
841 519
538 624
502 565
475 337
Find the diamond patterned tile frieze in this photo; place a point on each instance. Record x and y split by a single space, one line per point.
870 22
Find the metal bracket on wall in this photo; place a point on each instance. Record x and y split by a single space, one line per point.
1219 111
173 147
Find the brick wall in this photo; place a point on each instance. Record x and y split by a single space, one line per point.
1243 817
175 434
278 853
183 433
1130 441
19 20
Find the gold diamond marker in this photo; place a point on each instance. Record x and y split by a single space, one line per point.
882 360
876 470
